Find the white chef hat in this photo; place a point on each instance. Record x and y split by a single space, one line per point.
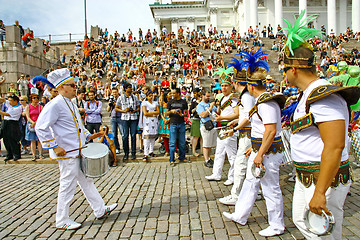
59 77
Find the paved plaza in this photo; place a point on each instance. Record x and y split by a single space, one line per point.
156 201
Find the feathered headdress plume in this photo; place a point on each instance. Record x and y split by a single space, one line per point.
41 79
299 33
239 71
224 74
253 61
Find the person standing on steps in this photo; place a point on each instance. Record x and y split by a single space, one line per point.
129 106
60 129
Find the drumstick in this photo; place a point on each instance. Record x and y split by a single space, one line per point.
76 149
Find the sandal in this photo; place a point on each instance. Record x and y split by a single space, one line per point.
152 155
145 159
41 156
196 154
33 158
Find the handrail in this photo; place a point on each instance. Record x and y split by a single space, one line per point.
50 67
69 39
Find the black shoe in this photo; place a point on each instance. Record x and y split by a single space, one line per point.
133 156
8 158
125 158
209 163
16 158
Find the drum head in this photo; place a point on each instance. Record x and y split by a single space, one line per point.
319 225
95 150
257 172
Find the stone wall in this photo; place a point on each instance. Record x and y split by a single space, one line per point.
14 60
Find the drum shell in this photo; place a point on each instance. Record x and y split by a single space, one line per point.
95 167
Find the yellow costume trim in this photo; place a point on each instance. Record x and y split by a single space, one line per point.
48 140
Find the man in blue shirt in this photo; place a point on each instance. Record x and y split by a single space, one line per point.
205 109
93 113
108 140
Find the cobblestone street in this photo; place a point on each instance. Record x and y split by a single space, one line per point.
156 201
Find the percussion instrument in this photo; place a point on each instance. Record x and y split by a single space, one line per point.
355 144
95 160
257 172
285 136
319 224
221 131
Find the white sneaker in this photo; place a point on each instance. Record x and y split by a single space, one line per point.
117 151
259 196
69 225
228 200
228 216
212 177
108 210
269 232
228 182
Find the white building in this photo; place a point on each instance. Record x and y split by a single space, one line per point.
226 14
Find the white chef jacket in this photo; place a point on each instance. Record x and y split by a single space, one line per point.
59 124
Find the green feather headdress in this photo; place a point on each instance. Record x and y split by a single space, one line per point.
298 34
224 74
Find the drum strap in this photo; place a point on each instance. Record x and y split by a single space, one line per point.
76 124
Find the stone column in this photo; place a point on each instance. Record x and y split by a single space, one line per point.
331 16
278 14
241 18
157 22
174 25
191 25
302 6
12 34
213 17
253 13
355 15
342 17
94 32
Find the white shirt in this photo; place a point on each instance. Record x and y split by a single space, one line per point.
247 102
270 113
14 111
229 109
57 125
306 145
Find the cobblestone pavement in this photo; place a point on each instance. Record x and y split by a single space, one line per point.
156 201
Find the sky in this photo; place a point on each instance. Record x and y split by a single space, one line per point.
54 17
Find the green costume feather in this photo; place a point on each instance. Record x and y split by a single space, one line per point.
224 74
299 33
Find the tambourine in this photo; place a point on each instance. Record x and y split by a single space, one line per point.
257 172
221 131
319 224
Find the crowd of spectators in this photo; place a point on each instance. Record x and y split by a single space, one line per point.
121 70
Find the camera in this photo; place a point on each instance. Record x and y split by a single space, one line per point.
111 101
131 109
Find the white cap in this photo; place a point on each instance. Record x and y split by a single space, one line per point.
59 76
34 91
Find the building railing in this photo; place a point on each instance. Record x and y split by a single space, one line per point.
57 38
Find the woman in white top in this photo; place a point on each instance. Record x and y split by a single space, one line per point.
150 111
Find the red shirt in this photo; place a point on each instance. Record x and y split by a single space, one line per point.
26 36
165 83
186 65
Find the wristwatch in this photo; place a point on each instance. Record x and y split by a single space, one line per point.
234 129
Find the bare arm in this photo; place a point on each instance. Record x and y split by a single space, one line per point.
333 135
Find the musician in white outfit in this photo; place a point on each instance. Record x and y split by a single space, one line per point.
60 129
266 152
245 103
227 112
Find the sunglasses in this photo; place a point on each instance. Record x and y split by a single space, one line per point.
32 98
73 85
22 99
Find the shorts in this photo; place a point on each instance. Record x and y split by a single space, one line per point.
195 128
209 137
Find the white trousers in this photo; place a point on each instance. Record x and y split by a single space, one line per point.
70 174
271 191
226 146
335 199
148 146
240 165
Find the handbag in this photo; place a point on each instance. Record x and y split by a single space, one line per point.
209 125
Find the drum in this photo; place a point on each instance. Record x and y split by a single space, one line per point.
95 160
319 225
285 136
257 172
221 131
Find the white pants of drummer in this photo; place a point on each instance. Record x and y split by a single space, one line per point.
335 199
148 145
240 166
271 190
226 146
70 174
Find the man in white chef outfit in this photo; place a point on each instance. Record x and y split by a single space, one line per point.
60 129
